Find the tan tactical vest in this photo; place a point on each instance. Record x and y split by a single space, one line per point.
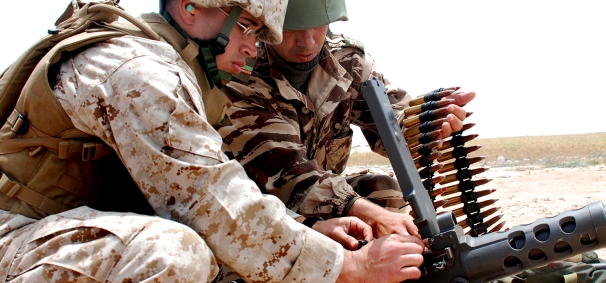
47 165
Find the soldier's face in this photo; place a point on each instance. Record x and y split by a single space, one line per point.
240 46
301 46
208 22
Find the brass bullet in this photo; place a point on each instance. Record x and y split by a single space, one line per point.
424 117
438 203
424 127
464 128
431 105
423 138
436 192
498 227
493 220
428 183
457 140
461 163
465 186
424 149
470 208
481 228
426 160
428 171
458 152
477 218
468 197
463 174
432 96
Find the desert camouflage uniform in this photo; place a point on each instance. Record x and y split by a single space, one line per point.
295 145
141 98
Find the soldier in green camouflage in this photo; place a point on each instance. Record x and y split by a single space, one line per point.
293 135
143 99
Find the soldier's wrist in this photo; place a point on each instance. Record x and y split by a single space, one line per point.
310 221
349 205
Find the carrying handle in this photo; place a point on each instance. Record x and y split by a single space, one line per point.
149 32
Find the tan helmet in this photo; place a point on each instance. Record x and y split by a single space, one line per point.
270 12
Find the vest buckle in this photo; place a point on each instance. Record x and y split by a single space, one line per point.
89 151
20 125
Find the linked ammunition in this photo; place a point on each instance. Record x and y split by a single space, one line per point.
426 160
458 152
493 220
427 106
424 149
432 96
438 203
428 183
423 138
436 192
477 218
471 208
468 197
498 227
481 228
463 174
424 127
465 128
457 140
428 171
424 117
461 163
465 186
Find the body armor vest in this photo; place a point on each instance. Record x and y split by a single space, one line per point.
47 165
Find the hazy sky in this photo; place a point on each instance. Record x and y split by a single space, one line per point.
538 66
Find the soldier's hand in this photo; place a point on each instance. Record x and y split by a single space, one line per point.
394 223
393 258
345 230
382 221
454 120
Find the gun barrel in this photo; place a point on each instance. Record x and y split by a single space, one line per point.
499 254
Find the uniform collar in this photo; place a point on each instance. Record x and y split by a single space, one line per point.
321 82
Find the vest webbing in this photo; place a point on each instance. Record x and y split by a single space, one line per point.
46 164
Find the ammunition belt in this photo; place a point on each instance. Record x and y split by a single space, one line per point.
421 127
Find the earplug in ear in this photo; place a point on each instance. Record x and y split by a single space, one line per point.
191 9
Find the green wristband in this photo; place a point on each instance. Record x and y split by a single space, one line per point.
349 205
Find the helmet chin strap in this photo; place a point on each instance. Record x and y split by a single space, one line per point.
209 49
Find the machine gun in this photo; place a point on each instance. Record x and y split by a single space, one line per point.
459 258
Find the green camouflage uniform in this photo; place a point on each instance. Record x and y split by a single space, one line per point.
586 268
295 145
143 100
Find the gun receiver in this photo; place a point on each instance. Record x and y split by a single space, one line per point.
460 258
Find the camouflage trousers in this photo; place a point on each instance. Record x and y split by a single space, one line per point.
85 245
380 189
587 268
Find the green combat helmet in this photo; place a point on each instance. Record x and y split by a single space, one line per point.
306 14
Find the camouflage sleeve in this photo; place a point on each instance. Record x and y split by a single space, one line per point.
139 97
270 149
363 66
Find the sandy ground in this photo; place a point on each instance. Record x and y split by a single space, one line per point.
526 194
